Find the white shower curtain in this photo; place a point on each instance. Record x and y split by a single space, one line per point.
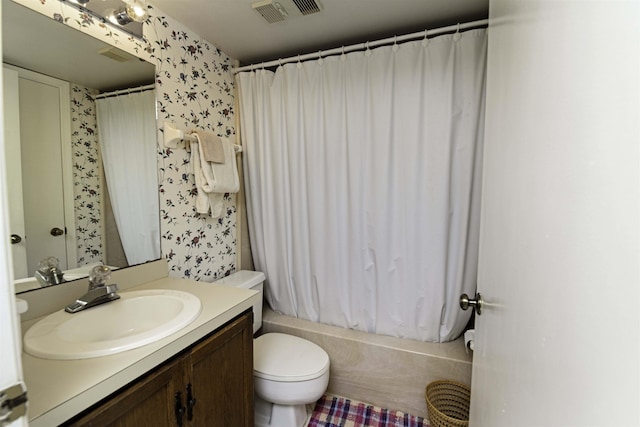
127 135
363 184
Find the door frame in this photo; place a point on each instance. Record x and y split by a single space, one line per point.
11 371
11 105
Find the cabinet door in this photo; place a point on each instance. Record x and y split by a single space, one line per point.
150 402
221 376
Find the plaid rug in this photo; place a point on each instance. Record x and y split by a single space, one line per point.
334 411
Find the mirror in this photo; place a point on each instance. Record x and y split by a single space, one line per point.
32 41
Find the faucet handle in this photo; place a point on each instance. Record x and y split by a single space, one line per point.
99 275
47 264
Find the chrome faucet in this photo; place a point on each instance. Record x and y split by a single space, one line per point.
48 272
99 292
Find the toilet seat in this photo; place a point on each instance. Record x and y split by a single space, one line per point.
287 358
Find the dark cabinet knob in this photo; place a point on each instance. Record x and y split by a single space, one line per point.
191 402
179 409
15 239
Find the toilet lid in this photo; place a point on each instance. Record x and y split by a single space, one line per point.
281 357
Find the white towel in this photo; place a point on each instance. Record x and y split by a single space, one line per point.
221 177
213 180
202 199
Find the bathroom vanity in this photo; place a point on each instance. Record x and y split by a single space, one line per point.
200 375
208 384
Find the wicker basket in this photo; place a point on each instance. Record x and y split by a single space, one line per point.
448 404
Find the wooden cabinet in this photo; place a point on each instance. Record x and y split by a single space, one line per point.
209 384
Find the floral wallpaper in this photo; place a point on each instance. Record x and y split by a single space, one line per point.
87 168
195 89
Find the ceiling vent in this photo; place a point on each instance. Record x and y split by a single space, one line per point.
116 54
276 11
307 7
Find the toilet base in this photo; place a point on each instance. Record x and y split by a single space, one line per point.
273 415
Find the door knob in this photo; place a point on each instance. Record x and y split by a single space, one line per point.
55 231
465 302
15 239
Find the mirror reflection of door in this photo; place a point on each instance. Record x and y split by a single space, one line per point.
47 193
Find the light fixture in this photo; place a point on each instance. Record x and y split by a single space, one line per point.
118 17
136 10
132 10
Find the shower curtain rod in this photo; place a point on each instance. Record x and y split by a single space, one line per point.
367 45
130 90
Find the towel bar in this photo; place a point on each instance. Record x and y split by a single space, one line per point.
173 135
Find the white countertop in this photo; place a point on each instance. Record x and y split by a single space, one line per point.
60 389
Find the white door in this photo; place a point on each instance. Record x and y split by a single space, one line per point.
11 103
40 134
11 370
557 343
45 158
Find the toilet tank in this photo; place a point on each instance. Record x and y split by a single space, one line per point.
248 280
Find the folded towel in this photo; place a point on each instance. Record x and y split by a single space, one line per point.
211 146
213 180
202 200
221 177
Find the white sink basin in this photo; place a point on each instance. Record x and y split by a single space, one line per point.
136 319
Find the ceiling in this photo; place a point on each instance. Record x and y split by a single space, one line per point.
38 43
240 32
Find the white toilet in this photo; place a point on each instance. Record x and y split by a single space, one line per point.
289 372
